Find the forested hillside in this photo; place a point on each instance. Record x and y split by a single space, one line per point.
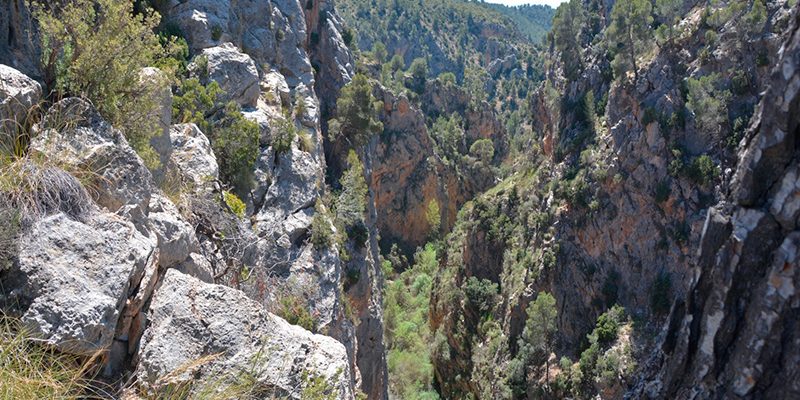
532 20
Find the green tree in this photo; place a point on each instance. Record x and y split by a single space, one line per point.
449 136
356 113
629 33
670 13
433 215
482 149
379 52
235 142
755 19
708 103
567 24
537 340
351 205
397 63
96 49
540 327
419 73
448 78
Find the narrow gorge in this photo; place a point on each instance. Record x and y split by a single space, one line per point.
399 199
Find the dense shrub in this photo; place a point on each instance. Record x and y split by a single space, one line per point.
351 204
283 135
235 142
356 113
234 203
96 49
295 311
708 103
482 149
480 294
702 170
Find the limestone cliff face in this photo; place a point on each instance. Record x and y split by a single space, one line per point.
408 173
611 209
18 42
735 334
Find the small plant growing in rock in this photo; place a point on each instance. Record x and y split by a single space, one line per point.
235 204
304 142
321 230
294 310
283 135
216 33
316 387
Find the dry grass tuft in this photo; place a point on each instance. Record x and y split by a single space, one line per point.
34 190
31 370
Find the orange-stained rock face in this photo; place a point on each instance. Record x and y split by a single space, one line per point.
407 175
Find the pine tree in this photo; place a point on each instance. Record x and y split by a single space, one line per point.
567 24
356 111
629 33
670 12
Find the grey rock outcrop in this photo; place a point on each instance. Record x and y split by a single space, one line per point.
176 238
19 45
18 94
193 157
235 72
217 320
736 334
75 134
75 279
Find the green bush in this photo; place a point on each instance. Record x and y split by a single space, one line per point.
195 103
295 311
708 103
608 325
702 170
216 33
447 78
352 202
356 113
321 230
235 142
235 204
96 49
283 135
480 294
482 149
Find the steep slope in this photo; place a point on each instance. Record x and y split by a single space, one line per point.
609 212
735 334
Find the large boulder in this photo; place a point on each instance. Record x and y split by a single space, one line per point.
176 238
293 188
74 134
74 279
235 72
235 337
18 94
193 156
